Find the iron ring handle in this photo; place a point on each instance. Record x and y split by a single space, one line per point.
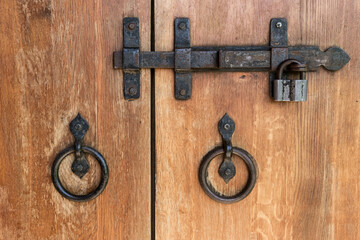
210 190
79 198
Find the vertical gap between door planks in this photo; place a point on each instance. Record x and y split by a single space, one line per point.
153 130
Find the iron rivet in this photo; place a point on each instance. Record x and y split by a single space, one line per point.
132 26
132 91
182 92
182 26
227 172
79 167
278 24
78 127
227 126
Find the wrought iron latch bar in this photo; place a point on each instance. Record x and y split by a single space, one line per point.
186 59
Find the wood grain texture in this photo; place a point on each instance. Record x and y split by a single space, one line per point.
307 153
56 61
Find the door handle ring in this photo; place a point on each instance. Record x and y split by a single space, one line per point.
61 189
80 166
211 191
227 170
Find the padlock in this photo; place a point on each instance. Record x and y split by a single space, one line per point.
290 90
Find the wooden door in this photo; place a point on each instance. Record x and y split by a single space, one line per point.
307 152
56 61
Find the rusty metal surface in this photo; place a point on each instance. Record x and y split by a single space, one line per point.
132 85
290 90
131 32
183 78
131 58
227 171
78 127
186 59
226 127
210 190
278 32
183 85
332 59
244 59
278 42
278 55
182 59
182 32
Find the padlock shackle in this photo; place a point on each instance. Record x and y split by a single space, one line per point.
286 63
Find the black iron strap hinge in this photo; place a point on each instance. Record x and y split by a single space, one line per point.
186 59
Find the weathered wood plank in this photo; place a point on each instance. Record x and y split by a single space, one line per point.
56 61
307 152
